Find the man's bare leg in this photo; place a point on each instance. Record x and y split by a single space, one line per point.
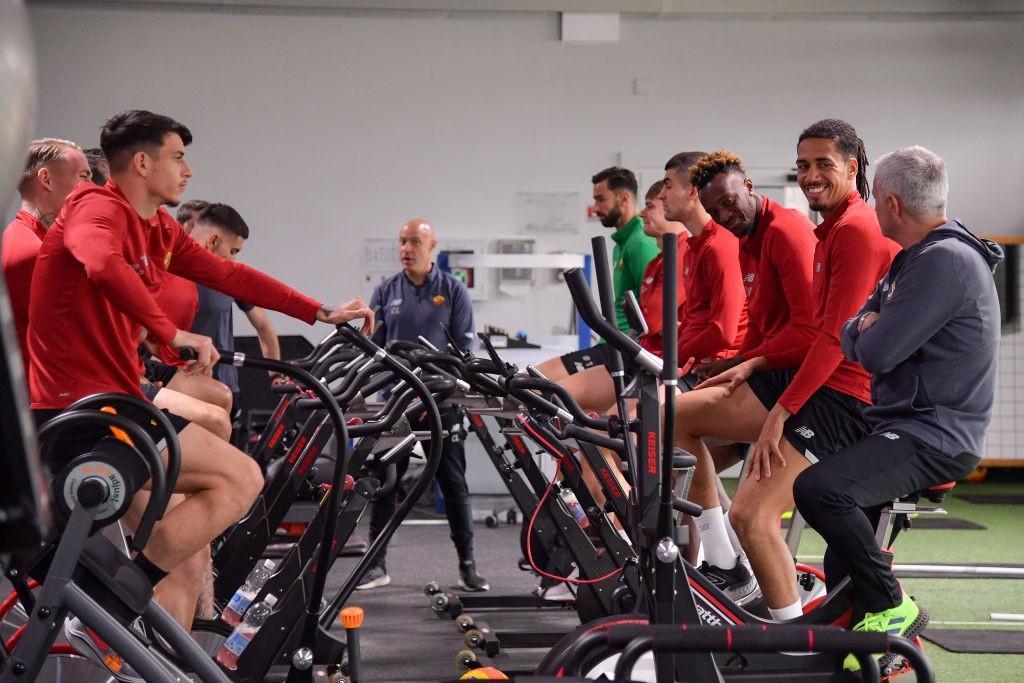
179 590
220 483
554 369
592 388
206 389
755 513
210 417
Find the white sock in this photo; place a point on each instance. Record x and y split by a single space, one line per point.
786 613
733 538
715 539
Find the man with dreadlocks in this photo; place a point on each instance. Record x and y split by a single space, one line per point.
776 256
804 402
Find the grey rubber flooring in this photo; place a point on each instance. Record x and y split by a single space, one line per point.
403 640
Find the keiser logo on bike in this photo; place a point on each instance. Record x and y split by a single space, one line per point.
610 482
652 453
297 449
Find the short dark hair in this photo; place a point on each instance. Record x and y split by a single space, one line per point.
654 190
681 163
704 170
190 209
130 131
225 218
97 164
618 179
844 137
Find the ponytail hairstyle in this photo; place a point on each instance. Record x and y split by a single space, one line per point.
844 137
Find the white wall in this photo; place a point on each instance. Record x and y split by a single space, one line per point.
327 129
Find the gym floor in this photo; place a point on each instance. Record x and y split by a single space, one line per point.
403 640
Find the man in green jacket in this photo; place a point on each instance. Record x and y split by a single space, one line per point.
616 206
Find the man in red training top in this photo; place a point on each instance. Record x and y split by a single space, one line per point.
91 299
776 257
714 319
803 402
53 169
652 286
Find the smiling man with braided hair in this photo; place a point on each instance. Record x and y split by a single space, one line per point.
805 402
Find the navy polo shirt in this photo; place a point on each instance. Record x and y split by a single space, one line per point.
214 320
406 311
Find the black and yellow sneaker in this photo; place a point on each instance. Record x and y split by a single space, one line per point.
906 619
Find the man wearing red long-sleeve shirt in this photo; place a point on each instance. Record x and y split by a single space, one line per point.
776 256
714 317
805 401
91 298
53 169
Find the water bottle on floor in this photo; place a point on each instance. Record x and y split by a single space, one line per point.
244 633
241 600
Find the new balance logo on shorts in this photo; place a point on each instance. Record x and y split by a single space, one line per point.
890 435
805 432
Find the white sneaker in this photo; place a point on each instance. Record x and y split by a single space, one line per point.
94 648
560 592
375 577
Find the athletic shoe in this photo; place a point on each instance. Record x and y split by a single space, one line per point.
375 577
906 619
469 580
560 592
737 583
94 648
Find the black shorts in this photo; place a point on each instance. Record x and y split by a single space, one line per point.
829 422
74 441
157 371
149 390
578 361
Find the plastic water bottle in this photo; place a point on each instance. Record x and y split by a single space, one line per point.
577 511
241 600
244 633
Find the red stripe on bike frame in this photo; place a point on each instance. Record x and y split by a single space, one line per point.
725 610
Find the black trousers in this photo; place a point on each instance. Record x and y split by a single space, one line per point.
451 475
842 495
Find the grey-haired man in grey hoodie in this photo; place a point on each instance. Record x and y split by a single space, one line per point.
929 334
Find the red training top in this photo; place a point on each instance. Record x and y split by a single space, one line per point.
850 258
777 263
714 318
91 294
21 243
652 287
178 298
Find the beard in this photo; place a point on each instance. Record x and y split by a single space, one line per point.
612 219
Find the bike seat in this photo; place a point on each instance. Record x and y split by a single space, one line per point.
934 494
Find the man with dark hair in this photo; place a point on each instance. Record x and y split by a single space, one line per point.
188 212
220 229
714 318
805 402
776 254
52 170
615 205
92 297
98 165
933 352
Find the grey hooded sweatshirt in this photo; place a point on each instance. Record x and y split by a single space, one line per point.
932 350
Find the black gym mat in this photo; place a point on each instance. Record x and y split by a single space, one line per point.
986 499
968 641
945 523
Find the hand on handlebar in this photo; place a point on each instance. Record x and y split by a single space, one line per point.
350 310
206 352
